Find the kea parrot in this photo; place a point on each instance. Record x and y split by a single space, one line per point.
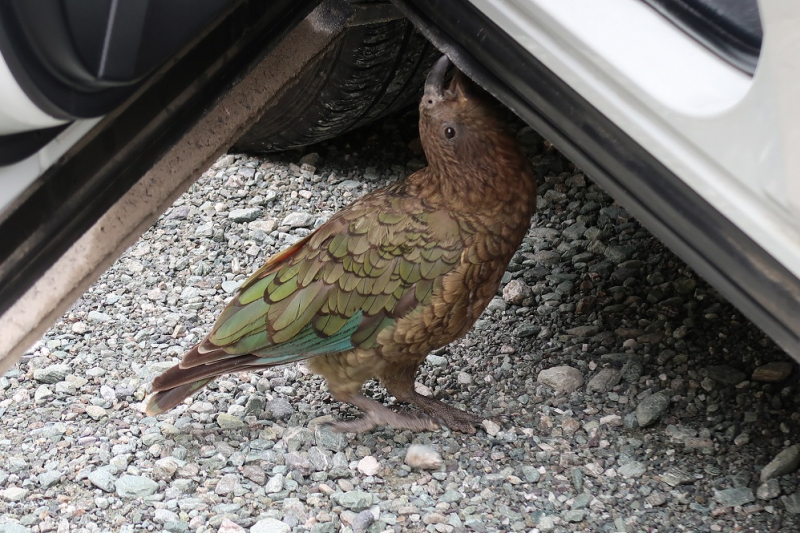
401 271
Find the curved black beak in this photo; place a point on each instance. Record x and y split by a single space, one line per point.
434 84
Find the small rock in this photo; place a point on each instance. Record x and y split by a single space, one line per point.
675 476
369 466
350 185
423 457
95 411
769 490
267 226
362 521
13 527
632 469
247 214
298 220
97 316
14 494
451 496
254 474
462 378
80 328
51 374
164 516
42 394
226 484
792 503
604 381
516 291
574 516
531 473
278 409
575 231
734 496
652 408
270 525
656 499
311 158
165 468
229 526
231 286
355 500
785 462
226 421
103 478
725 374
562 379
180 212
275 484
491 427
49 478
135 487
436 360
773 372
204 230
327 439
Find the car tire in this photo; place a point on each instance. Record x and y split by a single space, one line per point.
373 70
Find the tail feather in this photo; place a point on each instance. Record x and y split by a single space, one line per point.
177 384
165 400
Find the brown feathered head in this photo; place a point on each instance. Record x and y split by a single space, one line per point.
458 122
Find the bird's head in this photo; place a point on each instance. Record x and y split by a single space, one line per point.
458 124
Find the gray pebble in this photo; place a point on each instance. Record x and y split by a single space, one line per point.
278 409
355 500
725 374
270 525
604 380
13 527
768 490
103 478
561 378
652 408
51 374
298 220
231 286
97 316
792 503
632 469
226 421
247 214
362 521
135 486
786 462
734 496
516 291
49 478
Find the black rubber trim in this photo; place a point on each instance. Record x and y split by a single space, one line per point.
17 146
713 246
729 28
92 176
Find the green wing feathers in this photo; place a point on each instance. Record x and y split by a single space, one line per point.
338 288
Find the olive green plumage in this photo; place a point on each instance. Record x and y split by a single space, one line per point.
401 271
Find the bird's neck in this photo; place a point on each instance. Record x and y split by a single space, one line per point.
477 187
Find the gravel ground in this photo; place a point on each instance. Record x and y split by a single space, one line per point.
632 396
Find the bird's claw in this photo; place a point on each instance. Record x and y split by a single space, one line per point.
410 421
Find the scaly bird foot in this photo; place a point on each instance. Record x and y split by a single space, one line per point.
449 416
376 414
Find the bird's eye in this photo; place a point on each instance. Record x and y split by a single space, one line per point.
449 132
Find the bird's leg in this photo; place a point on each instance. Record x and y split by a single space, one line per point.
399 381
377 414
447 415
